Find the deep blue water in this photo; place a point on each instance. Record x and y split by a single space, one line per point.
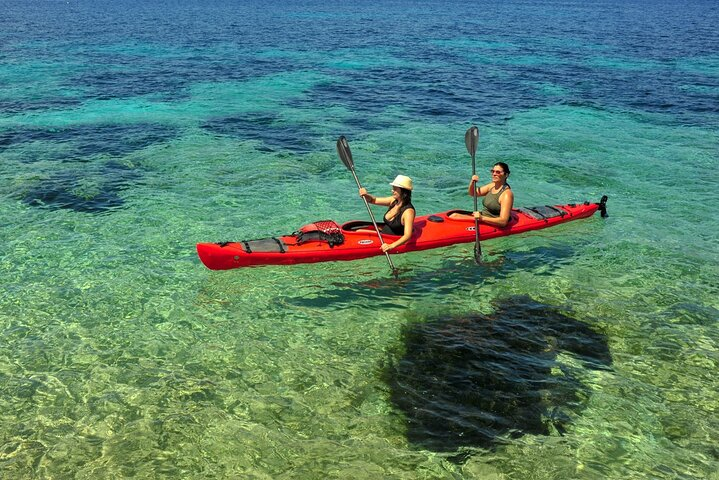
657 57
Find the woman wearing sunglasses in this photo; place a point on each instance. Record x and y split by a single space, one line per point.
498 196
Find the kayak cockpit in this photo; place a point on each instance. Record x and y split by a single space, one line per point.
357 225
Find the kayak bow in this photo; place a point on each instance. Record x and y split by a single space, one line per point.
326 241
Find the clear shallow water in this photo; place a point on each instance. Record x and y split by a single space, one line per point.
129 132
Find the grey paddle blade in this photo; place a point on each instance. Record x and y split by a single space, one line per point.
471 139
603 206
343 150
477 253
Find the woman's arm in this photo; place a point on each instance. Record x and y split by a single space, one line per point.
506 201
386 201
408 220
473 189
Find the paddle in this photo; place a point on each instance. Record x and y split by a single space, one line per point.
471 139
343 149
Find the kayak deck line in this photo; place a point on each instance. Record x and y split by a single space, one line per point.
326 241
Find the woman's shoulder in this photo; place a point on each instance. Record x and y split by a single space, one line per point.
507 193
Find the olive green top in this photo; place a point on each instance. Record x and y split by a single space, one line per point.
491 202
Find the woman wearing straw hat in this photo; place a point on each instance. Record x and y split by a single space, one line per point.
400 216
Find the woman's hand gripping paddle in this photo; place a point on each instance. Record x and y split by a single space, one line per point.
343 149
471 139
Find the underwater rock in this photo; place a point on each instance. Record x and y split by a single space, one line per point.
475 380
87 192
271 130
86 141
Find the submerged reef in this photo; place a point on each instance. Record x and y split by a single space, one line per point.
89 191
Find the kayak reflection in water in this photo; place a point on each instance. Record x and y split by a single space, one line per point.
498 197
400 216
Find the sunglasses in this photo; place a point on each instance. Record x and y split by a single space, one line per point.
498 172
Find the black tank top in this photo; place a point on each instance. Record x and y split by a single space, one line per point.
394 226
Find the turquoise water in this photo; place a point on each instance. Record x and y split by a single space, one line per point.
129 132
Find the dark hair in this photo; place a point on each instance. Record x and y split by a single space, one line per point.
405 196
505 167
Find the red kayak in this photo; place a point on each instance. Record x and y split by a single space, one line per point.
326 241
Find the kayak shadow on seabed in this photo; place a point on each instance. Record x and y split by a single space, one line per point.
477 381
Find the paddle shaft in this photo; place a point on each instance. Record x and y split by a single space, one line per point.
374 222
471 138
343 150
476 220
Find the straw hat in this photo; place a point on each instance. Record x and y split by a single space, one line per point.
402 182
